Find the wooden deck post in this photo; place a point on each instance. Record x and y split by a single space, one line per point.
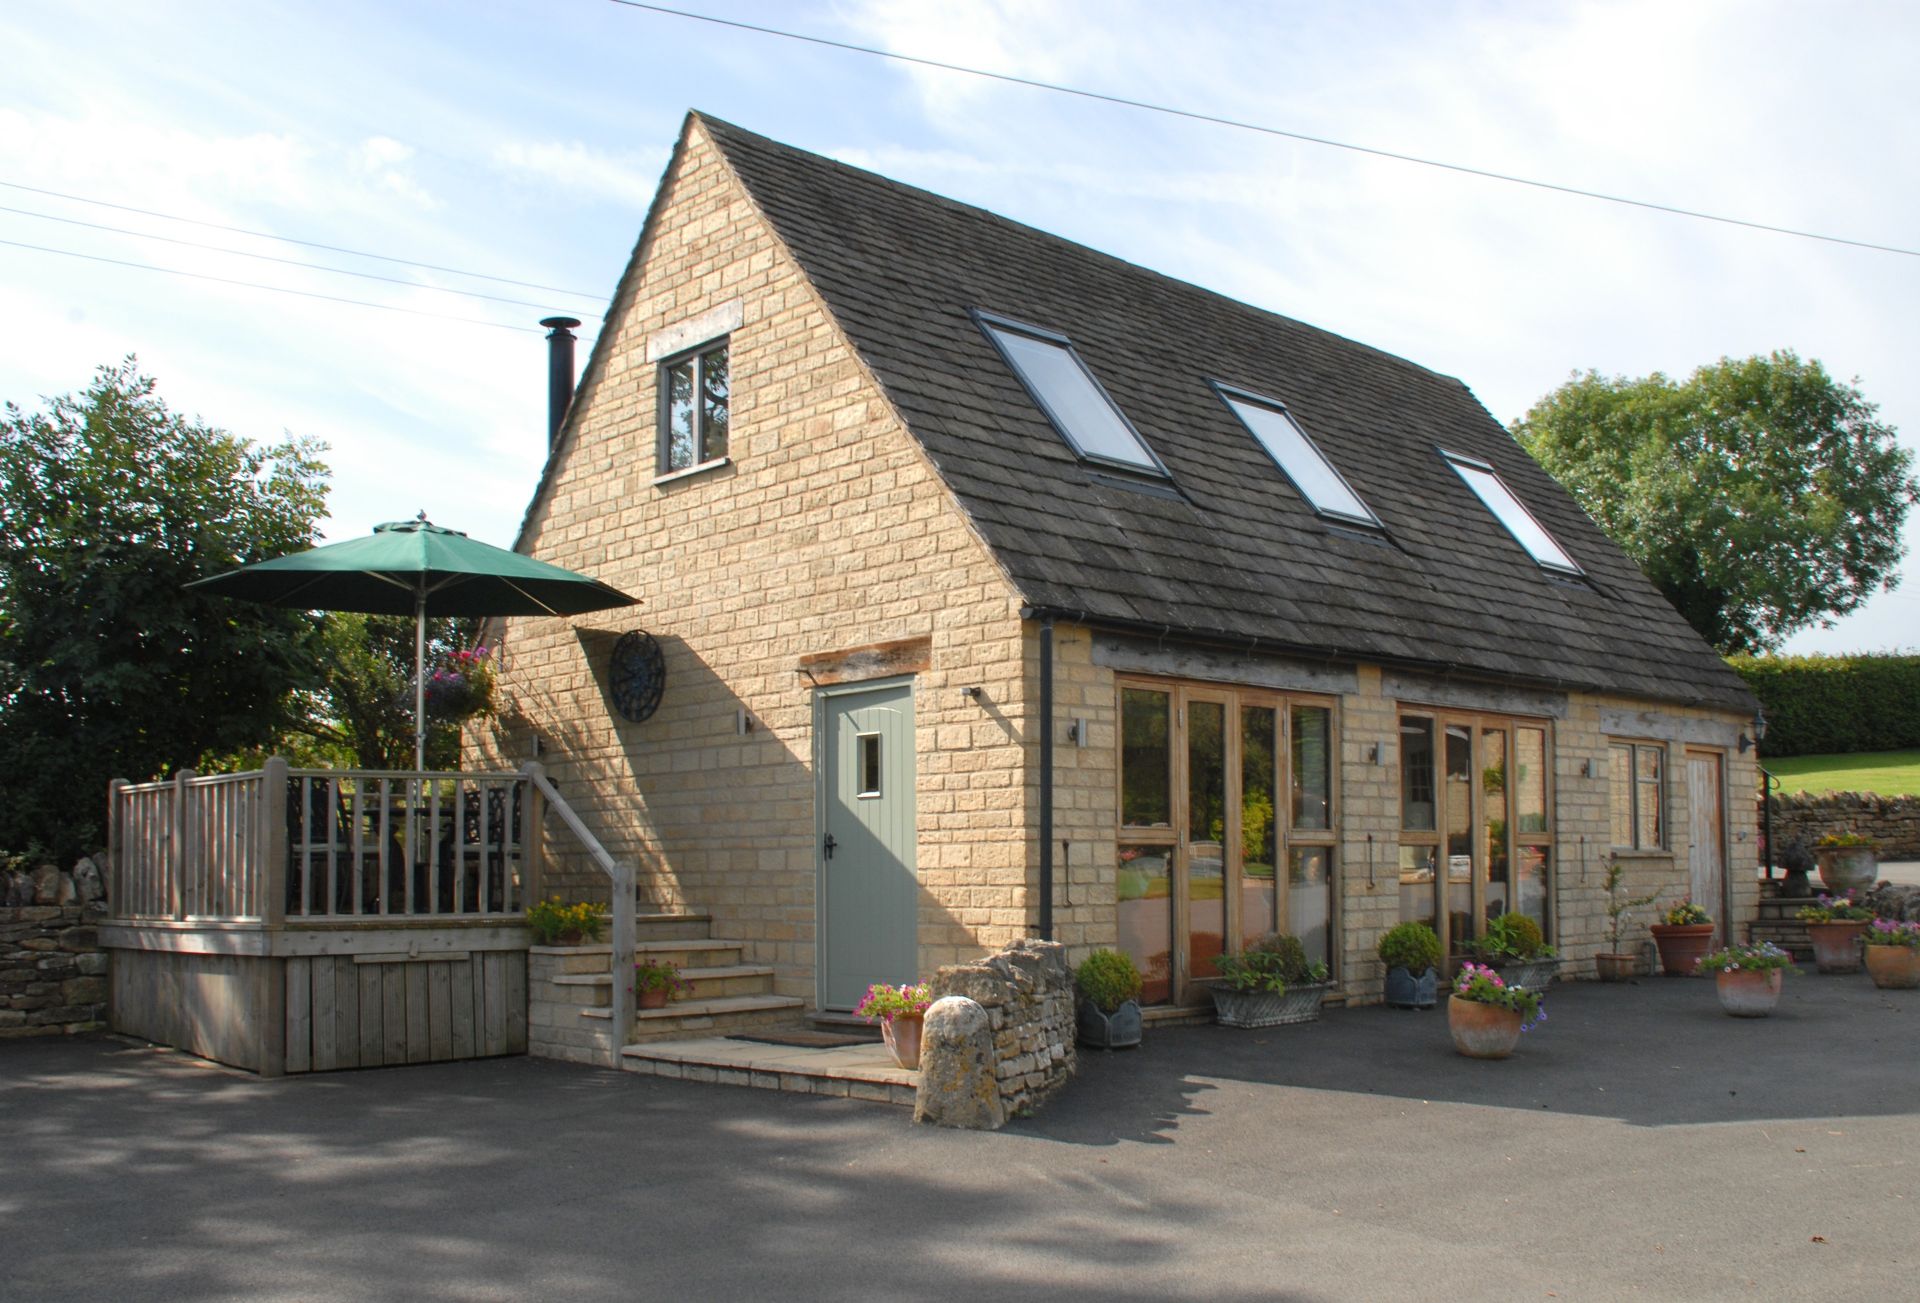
273 842
116 849
533 841
180 845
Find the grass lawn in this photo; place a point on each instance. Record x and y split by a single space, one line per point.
1885 773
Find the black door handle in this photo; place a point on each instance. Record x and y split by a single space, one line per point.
830 844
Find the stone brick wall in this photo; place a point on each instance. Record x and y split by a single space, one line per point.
1027 990
1892 821
53 974
555 1027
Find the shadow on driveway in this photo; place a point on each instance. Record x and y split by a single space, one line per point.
1658 1052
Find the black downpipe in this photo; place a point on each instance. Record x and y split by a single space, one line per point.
1046 779
559 372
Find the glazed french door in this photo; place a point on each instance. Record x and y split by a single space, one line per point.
1226 829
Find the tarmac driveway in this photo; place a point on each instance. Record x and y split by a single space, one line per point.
1641 1143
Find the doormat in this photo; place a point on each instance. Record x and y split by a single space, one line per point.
808 1040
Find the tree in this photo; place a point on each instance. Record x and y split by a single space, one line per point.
1760 495
109 666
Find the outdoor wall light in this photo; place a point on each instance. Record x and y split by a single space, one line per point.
1373 754
742 722
1077 732
971 692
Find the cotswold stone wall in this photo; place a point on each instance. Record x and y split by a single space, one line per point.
1028 993
1892 821
53 974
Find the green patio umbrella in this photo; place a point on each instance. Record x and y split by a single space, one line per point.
414 567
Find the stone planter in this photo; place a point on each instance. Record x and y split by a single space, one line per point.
1234 1008
902 1035
1682 946
1405 991
1616 968
1893 968
1747 994
1534 974
1848 868
1836 946
1482 1031
1110 1031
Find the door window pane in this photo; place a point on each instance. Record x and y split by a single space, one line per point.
1259 842
1530 779
1417 805
1310 900
1145 916
1312 767
1534 866
1493 791
869 764
1206 834
1146 774
1459 841
1417 884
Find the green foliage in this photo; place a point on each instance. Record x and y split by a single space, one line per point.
1109 979
1512 938
1763 958
554 921
883 1003
1484 986
109 505
362 701
1835 909
663 975
1760 495
1686 914
1835 704
1272 963
1881 773
1412 946
1846 841
1620 911
1892 932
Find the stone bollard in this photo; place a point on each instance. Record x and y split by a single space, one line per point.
959 1086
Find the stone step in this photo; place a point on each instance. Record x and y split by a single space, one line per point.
855 1072
712 1017
691 953
731 979
844 1024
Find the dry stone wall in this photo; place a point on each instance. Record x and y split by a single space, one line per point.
1892 821
53 973
1028 994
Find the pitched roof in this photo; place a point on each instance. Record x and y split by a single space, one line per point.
1237 555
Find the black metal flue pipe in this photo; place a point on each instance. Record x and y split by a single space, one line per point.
559 372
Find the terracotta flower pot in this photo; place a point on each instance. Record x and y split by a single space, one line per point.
1748 994
1682 946
1836 946
1482 1031
1893 968
653 999
1616 968
902 1035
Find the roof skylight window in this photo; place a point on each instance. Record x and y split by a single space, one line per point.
1528 532
1091 423
1299 459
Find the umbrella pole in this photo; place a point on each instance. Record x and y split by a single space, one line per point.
420 680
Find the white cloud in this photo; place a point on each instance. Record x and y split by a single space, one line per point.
581 171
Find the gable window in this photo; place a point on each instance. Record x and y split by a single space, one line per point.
1635 798
1499 499
694 394
1298 457
1059 381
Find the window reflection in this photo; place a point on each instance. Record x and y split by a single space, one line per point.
1146 773
1144 892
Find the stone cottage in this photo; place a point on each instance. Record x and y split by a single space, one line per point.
995 586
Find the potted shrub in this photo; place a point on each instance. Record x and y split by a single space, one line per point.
1893 954
1748 977
1109 1000
1269 984
1684 935
1486 1013
1616 965
901 1013
1848 861
655 983
1411 952
1515 948
1834 927
556 923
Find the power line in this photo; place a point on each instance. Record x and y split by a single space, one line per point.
276 289
1195 116
288 239
287 262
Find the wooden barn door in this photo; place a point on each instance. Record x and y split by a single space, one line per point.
1706 839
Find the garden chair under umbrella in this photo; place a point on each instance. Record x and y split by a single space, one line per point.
418 568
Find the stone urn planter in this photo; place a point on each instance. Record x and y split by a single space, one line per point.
1682 946
1746 994
1836 945
902 1036
1893 968
1236 1008
1118 1030
1616 968
1405 991
1848 868
1482 1031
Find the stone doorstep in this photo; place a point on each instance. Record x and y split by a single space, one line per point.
853 1071
716 1007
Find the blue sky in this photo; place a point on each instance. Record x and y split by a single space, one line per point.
523 140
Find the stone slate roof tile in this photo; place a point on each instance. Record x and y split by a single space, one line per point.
1239 555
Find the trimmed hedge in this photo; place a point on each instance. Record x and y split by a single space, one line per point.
1820 705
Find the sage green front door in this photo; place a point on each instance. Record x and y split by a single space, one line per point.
869 890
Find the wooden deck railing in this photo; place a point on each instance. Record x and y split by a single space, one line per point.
325 847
